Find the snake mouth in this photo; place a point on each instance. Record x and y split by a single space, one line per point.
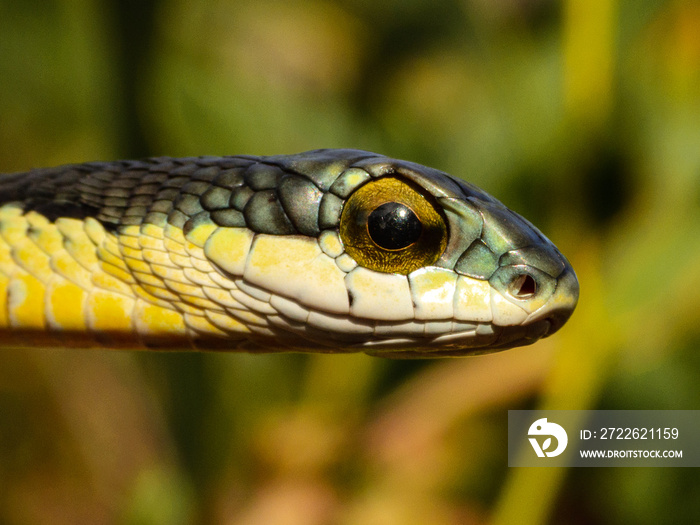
486 339
523 335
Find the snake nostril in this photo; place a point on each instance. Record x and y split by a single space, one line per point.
523 286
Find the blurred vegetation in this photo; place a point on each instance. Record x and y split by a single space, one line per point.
583 115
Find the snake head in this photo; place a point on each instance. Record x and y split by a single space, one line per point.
424 264
475 269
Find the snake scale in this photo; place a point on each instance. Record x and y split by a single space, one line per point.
323 251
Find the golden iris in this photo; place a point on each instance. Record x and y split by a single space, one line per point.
392 226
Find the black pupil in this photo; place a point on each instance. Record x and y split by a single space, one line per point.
393 226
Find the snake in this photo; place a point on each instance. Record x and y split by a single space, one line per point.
329 251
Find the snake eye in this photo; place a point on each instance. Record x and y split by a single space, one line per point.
392 226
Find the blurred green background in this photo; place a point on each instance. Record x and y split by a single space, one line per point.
582 115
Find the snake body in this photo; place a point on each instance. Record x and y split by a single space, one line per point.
325 251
